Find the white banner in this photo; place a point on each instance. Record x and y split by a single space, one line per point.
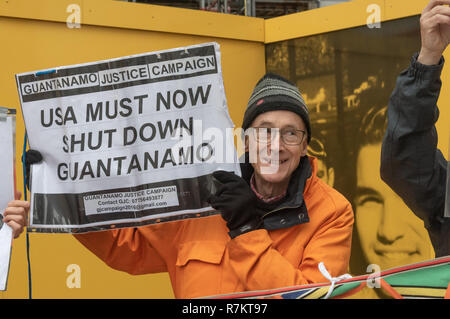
7 131
128 141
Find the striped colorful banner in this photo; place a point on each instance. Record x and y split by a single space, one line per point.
428 279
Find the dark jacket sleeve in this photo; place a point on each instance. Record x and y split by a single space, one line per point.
411 164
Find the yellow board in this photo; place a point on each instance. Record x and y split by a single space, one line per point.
337 17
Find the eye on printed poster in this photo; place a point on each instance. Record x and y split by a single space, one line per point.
127 141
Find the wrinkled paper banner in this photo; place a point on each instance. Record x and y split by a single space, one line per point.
128 141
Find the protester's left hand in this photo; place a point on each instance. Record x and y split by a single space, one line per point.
16 215
434 31
236 202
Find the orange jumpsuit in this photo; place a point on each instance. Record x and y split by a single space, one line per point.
202 260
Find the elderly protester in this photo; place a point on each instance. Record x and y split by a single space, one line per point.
276 224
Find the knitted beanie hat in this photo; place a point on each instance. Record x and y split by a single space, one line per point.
275 93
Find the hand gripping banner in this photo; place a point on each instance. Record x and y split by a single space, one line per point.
128 141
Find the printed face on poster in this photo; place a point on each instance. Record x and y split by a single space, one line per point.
347 77
127 141
7 131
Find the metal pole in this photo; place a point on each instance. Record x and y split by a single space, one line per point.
250 9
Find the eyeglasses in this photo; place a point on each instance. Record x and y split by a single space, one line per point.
289 136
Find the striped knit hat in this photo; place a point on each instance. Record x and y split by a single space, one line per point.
275 93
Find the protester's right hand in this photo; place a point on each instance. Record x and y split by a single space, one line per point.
16 215
434 31
31 157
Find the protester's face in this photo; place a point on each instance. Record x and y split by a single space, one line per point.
390 234
289 156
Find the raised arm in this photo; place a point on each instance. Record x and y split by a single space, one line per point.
411 164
